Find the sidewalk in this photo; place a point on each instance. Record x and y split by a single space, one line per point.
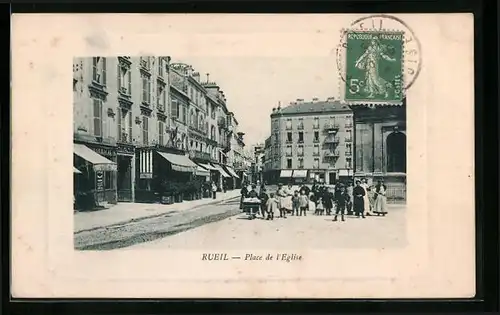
127 212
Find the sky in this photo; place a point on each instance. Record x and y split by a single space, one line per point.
254 85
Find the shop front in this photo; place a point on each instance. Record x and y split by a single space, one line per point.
96 185
126 172
231 182
346 175
299 177
285 177
221 177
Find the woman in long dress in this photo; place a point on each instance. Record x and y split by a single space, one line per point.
380 205
366 197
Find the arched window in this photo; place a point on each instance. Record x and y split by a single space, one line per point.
396 152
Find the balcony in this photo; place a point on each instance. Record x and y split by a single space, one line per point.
332 127
334 154
221 122
332 140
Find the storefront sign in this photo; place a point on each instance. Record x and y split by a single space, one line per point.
99 180
145 175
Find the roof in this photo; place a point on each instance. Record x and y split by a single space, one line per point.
313 107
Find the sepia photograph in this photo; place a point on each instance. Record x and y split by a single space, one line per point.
250 156
162 158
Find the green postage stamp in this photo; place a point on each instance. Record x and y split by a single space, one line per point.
374 67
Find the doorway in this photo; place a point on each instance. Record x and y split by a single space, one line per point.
124 180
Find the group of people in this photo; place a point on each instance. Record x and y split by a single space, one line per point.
344 199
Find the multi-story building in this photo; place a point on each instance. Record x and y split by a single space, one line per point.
141 121
310 140
118 104
380 147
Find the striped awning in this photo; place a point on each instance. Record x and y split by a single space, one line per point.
232 172
221 171
180 163
207 166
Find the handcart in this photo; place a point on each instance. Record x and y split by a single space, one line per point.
251 206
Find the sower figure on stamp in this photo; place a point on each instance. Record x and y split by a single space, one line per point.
359 200
369 61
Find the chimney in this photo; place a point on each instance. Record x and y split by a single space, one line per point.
315 100
330 99
300 100
208 77
196 76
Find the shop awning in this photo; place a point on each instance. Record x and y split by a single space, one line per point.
221 170
299 173
200 171
76 171
180 163
232 172
99 162
286 173
207 166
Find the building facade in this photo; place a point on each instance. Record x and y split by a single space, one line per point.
380 147
141 121
310 140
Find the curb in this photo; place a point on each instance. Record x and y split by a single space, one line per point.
149 216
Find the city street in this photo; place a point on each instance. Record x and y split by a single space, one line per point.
319 232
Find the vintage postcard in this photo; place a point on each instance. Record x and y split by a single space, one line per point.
243 156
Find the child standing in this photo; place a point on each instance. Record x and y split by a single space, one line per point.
342 200
320 209
263 202
303 203
272 206
295 203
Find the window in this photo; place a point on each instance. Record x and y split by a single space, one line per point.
130 127
124 80
99 70
108 179
289 137
316 123
146 63
316 150
349 135
288 150
161 96
396 152
316 136
145 130
184 113
146 89
348 148
161 128
277 137
97 117
301 136
192 119
288 163
301 163
214 111
301 124
316 163
160 67
175 109
348 163
288 124
121 121
300 151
